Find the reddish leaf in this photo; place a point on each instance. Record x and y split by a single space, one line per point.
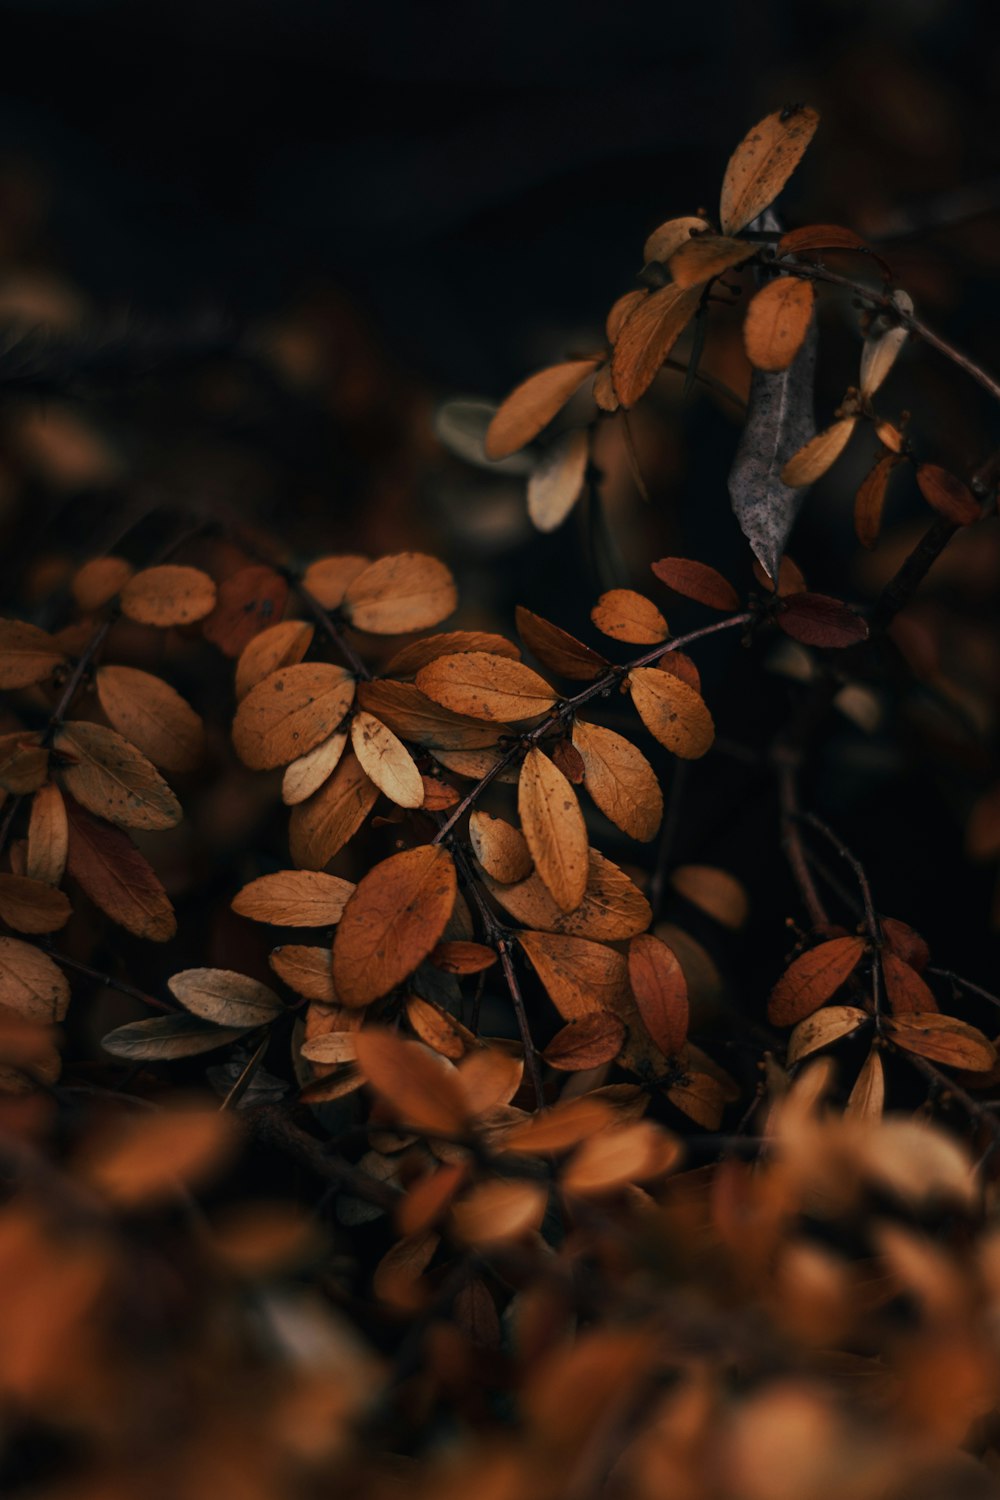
696 580
660 991
812 978
586 1043
946 494
816 620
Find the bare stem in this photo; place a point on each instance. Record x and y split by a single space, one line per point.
109 982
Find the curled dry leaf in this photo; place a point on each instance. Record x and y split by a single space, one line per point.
946 494
555 482
818 455
386 760
323 823
665 241
556 649
816 620
168 595
496 1212
612 909
777 321
554 829
328 578
27 655
415 1087
610 1160
821 1029
411 658
118 879
290 712
907 992
98 581
24 762
500 848
620 779
405 591
225 997
696 580
586 1043
247 602
111 778
646 338
869 503
482 686
812 978
533 404
660 992
713 891
30 983
866 1100
414 716
48 836
153 716
395 917
282 645
627 616
762 163
294 898
306 970
31 905
580 977
674 713
306 775
943 1039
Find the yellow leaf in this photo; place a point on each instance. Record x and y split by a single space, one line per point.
709 255
627 616
386 760
818 455
405 591
306 775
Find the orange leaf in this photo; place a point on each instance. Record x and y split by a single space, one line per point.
907 992
713 891
290 712
627 616
660 991
306 970
294 898
812 978
98 581
168 595
281 645
821 451
111 778
673 712
762 163
500 848
27 655
417 654
944 1039
554 829
647 337
948 495
394 919
414 1086
463 958
153 715
613 908
706 256
328 578
405 591
248 601
580 977
498 1211
323 823
533 404
777 321
620 779
30 983
696 580
665 241
586 1043
32 906
48 836
869 502
484 686
414 716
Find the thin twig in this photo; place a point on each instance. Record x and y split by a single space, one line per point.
109 982
330 628
791 842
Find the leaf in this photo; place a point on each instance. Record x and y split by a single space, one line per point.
816 620
665 241
225 997
696 580
620 779
306 775
867 1098
660 992
328 578
556 649
395 917
580 977
282 645
461 425
294 898
533 404
901 939
417 1089
165 1037
779 423
819 454
144 1159
411 658
48 836
674 713
556 480
646 338
98 581
613 908
777 321
247 602
496 1212
490 1077
700 1097
32 906
414 716
439 1030
24 762
290 713
429 1197
111 778
554 829
820 237
616 1157
811 979
715 892
944 1039
762 163
153 716
825 1026
439 795
118 879
322 825
483 686
386 760
907 992
306 970
586 1043
500 848
168 595
627 616
405 591
30 983
333 1048
869 502
473 765
27 655
566 1123
706 256
948 495
462 958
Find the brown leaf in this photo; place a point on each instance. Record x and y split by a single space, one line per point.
290 713
708 255
386 760
715 892
660 992
153 716
811 979
414 716
144 1159
790 578
395 917
306 970
622 309
867 1098
569 761
555 482
554 829
665 241
294 898
282 645
674 713
496 1212
645 340
27 655
306 775
820 237
816 620
416 1089
408 661
322 825
533 404
30 983
166 1037
777 321
118 879
462 958
24 762
696 580
333 1048
111 778
483 686
500 848
567 1123
679 665
247 602
901 939
869 502
168 595
556 649
948 495
944 1039
907 992
490 1077
580 977
473 765
405 591
620 779
225 997
762 163
613 908
825 1026
439 1030
428 1199
328 578
818 455
48 836
700 1097
438 794
627 616
32 906
616 1157
586 1043
98 581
